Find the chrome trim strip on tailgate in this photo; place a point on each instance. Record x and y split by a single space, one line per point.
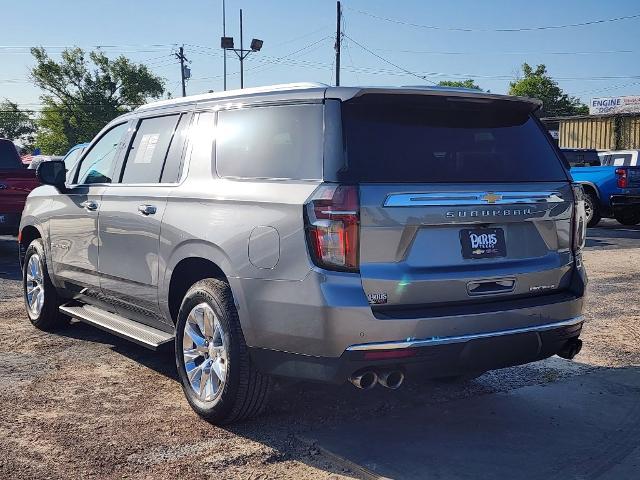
444 199
462 338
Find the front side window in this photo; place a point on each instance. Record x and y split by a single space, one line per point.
97 166
72 157
148 150
270 142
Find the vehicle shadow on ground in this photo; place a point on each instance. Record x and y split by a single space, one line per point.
594 242
576 427
9 266
161 361
307 422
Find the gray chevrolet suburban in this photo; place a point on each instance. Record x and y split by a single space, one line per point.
326 233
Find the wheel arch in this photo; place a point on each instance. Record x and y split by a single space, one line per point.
590 187
26 235
193 261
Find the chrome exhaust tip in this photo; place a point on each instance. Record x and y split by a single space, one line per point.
364 380
391 379
571 349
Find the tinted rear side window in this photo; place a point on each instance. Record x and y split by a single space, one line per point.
9 157
464 142
148 150
270 142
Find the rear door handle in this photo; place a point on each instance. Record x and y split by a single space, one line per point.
147 209
90 205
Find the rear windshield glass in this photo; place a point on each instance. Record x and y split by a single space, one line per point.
577 158
463 142
9 157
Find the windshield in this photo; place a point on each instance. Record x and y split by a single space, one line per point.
464 142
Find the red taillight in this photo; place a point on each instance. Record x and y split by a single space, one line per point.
389 354
623 180
332 218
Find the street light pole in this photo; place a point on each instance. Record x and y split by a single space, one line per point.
224 34
241 55
226 43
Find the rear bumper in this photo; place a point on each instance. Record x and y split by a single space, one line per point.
623 202
325 324
434 357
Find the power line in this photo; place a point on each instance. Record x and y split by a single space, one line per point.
521 29
409 72
29 47
489 53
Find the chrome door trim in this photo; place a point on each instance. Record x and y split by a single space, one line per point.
445 199
429 342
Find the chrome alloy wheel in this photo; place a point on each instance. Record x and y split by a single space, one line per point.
205 349
588 210
35 285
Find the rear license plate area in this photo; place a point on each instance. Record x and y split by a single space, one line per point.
480 243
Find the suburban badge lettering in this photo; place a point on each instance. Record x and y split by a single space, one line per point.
489 213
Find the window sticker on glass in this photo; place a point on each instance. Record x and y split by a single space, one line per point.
618 162
147 147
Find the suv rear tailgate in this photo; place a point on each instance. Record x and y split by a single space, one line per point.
415 242
461 199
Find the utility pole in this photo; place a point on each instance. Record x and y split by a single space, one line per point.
183 69
227 44
338 41
224 34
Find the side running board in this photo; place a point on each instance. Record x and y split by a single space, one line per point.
110 322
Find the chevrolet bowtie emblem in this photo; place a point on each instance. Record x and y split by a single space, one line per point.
491 197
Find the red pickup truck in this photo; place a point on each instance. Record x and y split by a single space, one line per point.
16 181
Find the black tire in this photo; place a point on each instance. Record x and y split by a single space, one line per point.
591 204
628 218
48 318
244 393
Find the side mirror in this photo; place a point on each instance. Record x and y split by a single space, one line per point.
52 173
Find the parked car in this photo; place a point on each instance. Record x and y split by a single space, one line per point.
581 157
38 159
323 233
15 184
620 158
611 191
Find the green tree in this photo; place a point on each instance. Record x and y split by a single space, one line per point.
469 83
83 93
16 124
538 84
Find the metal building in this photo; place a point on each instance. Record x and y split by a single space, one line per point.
602 132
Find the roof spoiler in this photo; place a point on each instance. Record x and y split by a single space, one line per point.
449 94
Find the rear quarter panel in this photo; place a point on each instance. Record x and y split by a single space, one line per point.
213 218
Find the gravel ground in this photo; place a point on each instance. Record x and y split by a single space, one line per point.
85 404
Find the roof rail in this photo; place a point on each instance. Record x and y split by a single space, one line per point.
233 93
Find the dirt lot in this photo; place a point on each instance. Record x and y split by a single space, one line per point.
82 403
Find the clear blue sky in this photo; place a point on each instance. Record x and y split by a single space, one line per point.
145 30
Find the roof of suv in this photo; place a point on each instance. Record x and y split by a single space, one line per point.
320 90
